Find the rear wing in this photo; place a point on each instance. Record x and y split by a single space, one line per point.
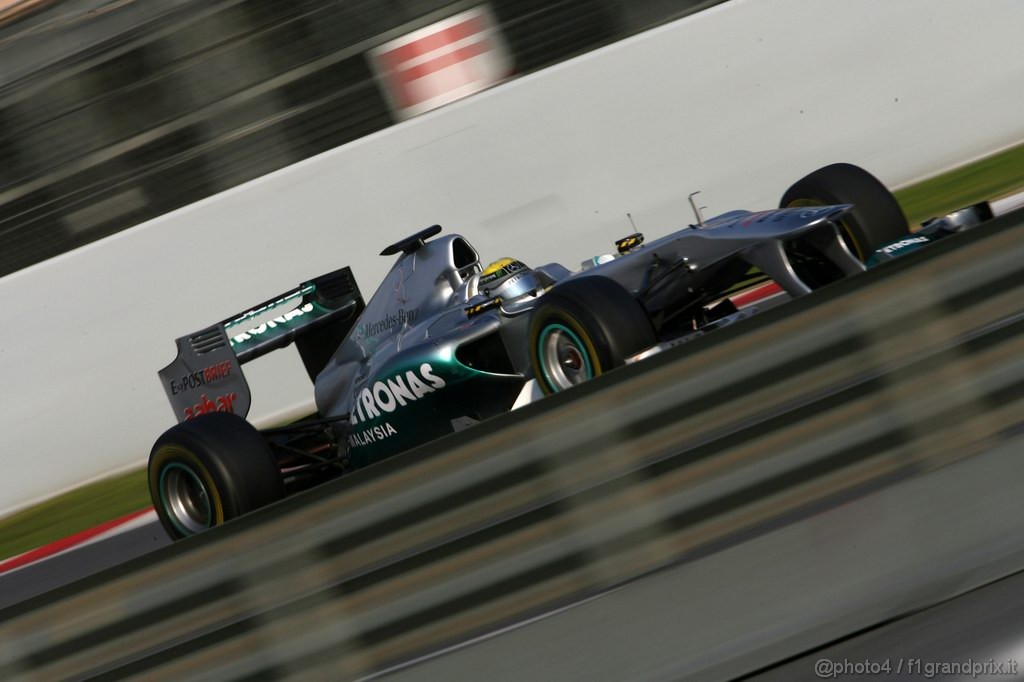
206 376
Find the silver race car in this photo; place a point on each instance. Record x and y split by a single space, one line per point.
447 341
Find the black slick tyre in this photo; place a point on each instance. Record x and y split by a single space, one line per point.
876 218
583 328
209 470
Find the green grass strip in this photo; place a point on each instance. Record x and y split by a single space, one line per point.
80 509
102 501
988 178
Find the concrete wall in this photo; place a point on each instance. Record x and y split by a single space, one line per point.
736 101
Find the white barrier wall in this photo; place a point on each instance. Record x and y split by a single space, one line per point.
737 101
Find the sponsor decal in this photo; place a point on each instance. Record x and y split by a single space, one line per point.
778 216
754 217
515 278
371 435
384 397
781 215
271 324
815 212
402 317
221 403
902 244
203 377
499 269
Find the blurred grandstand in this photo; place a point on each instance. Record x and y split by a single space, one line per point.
116 111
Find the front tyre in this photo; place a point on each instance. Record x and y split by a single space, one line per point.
876 218
583 328
209 470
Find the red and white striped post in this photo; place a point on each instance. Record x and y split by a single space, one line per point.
442 62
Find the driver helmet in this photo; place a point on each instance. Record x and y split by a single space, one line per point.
507 279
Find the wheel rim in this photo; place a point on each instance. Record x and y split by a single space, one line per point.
844 227
563 358
185 499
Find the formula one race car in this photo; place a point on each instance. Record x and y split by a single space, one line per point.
446 342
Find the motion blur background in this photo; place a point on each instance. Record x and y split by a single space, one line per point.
116 111
898 490
255 144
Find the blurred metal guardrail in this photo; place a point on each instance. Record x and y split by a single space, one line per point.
879 379
113 112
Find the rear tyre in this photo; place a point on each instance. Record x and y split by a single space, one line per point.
876 218
583 328
209 470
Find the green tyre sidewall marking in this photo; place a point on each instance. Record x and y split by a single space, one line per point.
166 505
175 456
549 329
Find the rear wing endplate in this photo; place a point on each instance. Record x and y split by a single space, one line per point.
206 376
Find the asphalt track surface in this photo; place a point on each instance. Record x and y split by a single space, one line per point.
80 562
979 628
